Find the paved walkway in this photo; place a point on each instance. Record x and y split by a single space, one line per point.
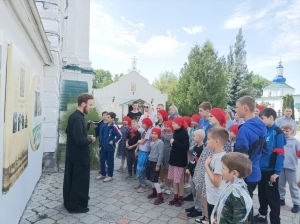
113 202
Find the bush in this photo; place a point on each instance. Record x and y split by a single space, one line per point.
94 116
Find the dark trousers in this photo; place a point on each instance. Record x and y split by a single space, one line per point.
269 196
76 185
131 161
251 188
210 209
108 157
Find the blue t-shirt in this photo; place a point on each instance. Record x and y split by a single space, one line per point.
204 125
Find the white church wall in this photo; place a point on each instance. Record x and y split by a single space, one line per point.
13 203
121 90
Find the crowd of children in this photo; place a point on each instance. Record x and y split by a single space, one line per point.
224 156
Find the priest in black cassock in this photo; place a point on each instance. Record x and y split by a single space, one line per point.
77 167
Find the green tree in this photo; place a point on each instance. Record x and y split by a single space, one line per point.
266 104
166 82
240 79
288 101
117 76
258 83
102 78
203 78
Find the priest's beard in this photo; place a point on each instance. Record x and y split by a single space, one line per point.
85 110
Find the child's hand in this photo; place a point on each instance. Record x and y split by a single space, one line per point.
298 183
187 172
208 161
274 177
136 153
111 142
157 168
139 141
171 142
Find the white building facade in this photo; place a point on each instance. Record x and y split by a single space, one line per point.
66 25
117 97
22 39
274 93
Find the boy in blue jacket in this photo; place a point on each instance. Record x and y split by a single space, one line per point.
109 135
271 164
250 139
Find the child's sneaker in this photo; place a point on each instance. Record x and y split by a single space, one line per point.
163 190
142 190
173 201
152 195
168 191
260 218
202 220
108 179
137 186
159 201
179 203
295 209
100 177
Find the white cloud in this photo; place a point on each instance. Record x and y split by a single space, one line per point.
108 36
160 46
193 30
245 17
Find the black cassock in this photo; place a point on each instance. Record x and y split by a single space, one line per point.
77 167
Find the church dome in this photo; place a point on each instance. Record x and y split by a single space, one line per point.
279 78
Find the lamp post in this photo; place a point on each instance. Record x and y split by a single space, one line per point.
152 101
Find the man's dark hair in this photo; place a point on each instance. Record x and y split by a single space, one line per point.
135 102
267 112
112 115
104 112
83 98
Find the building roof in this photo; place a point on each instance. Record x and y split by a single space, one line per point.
77 68
275 85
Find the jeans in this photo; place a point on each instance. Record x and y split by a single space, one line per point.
142 181
108 157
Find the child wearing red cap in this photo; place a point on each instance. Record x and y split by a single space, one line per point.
233 132
178 159
161 116
122 151
142 152
257 109
166 136
153 165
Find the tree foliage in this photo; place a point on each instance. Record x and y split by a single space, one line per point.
288 101
166 82
203 78
258 83
104 78
240 78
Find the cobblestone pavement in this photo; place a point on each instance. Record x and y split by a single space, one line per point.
112 202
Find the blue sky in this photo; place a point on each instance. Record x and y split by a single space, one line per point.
160 34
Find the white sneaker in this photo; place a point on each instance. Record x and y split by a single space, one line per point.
107 179
187 185
168 191
100 177
163 190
